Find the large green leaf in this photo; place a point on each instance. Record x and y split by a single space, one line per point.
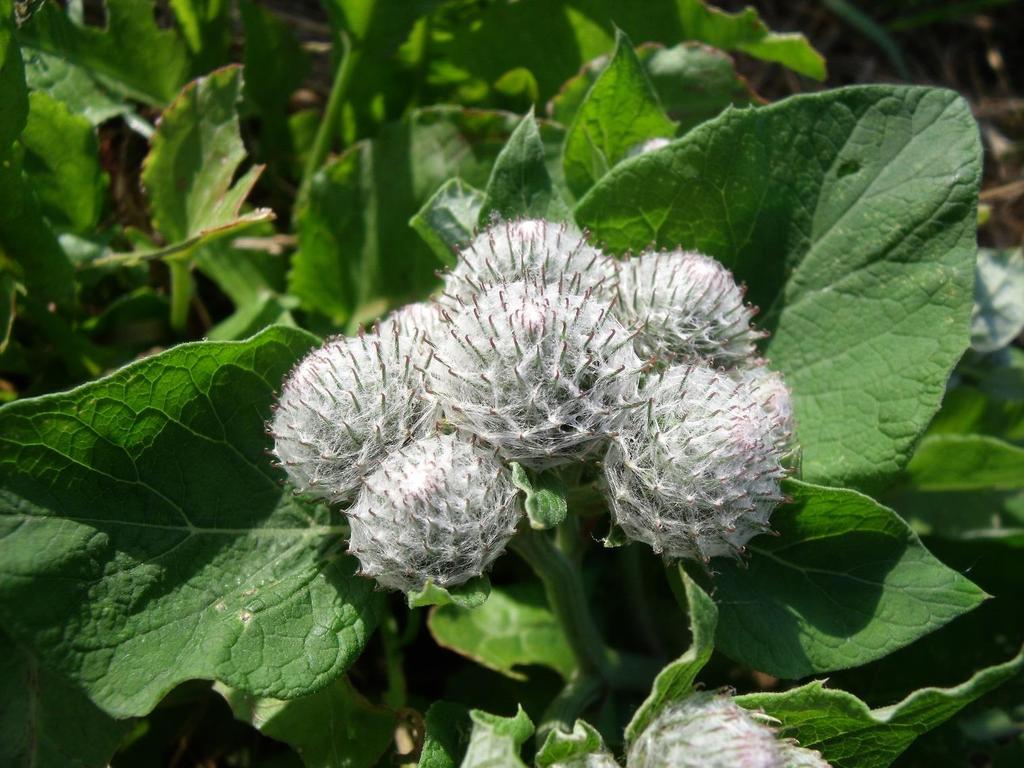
620 112
357 252
145 509
47 723
850 214
845 582
552 39
62 162
676 680
495 741
332 728
514 627
131 56
851 735
192 161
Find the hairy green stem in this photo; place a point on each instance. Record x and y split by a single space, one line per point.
564 589
579 692
329 121
181 293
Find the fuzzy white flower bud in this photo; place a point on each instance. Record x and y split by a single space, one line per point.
345 407
708 730
540 375
775 395
418 325
438 509
698 472
528 249
689 305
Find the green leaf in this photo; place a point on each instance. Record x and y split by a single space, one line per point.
998 316
850 735
132 56
357 253
868 309
845 582
676 680
965 462
619 113
694 82
46 722
251 318
964 487
13 94
332 728
495 741
544 496
206 27
446 735
28 240
573 748
62 161
520 184
75 86
471 594
275 67
192 160
554 38
378 90
447 221
144 507
514 628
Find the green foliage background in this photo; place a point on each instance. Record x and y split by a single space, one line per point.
180 223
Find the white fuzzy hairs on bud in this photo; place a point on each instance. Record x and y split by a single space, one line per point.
689 306
542 376
345 407
528 249
440 509
709 730
697 473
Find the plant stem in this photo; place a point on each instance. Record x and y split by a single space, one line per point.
579 692
181 293
564 589
329 121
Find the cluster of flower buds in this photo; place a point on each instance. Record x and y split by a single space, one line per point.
708 730
545 351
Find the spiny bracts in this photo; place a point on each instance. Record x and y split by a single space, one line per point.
439 509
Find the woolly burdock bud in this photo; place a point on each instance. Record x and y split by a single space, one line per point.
690 308
528 249
540 375
439 509
706 730
417 325
774 394
697 473
345 407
